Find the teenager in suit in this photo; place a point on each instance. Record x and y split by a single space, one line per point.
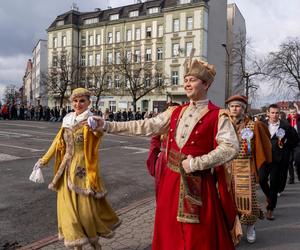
283 139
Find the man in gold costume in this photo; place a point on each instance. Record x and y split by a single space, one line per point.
255 151
83 212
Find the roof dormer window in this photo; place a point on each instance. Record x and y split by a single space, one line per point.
91 20
184 1
60 23
134 13
153 10
114 17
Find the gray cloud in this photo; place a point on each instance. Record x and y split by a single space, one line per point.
23 23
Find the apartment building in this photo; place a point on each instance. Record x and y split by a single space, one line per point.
39 73
27 84
236 38
161 31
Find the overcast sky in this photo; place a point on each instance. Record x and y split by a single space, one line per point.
24 22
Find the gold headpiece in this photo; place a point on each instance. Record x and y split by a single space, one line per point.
80 92
200 69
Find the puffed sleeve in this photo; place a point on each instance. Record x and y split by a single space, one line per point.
227 149
154 126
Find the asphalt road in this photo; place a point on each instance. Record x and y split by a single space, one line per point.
28 210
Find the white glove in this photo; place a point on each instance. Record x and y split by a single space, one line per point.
92 123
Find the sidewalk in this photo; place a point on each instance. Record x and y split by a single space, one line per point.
135 232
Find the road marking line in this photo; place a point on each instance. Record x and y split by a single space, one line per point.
39 139
22 125
13 133
139 150
30 149
6 157
34 132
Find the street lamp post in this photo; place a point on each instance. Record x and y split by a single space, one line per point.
227 71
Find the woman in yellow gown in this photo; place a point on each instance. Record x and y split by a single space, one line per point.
83 212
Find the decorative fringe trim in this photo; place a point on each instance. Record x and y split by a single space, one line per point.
76 243
186 220
237 231
66 160
87 192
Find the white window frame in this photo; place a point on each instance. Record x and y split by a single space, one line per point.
109 56
91 21
189 23
176 25
175 49
147 81
137 56
98 39
90 60
55 42
153 10
184 1
60 23
148 56
134 13
128 35
128 56
160 31
117 57
63 41
160 79
188 48
117 81
110 37
54 61
175 78
118 37
114 17
83 40
149 32
159 54
91 40
98 59
83 60
137 34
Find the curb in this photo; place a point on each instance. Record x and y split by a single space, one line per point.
54 238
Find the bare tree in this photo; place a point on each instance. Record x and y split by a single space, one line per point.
100 86
61 77
11 94
247 68
140 76
284 66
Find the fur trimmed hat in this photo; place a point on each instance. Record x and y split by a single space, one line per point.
241 99
80 92
201 69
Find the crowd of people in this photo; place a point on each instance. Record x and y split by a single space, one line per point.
206 161
56 114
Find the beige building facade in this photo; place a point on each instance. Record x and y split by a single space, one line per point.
162 32
236 39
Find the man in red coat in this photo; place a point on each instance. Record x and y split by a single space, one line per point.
194 209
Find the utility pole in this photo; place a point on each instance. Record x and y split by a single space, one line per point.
227 71
247 84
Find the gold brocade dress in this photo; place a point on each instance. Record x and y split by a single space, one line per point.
83 215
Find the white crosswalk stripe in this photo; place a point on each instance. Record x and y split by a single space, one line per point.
6 157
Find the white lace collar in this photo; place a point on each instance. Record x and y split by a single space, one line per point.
71 119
